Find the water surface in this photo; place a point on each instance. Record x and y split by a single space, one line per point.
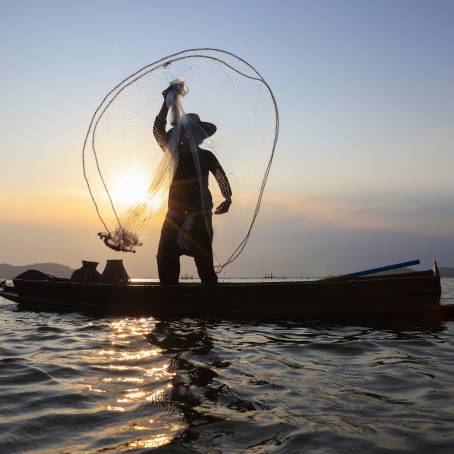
74 383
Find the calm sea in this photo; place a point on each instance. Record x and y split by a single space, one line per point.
72 383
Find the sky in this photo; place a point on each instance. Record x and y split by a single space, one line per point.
363 173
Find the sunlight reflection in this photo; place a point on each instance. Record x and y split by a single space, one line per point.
111 408
120 367
126 356
136 373
157 395
135 395
155 442
123 379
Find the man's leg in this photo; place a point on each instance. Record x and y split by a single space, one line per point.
205 268
203 255
168 268
168 257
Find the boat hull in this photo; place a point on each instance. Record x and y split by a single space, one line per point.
412 292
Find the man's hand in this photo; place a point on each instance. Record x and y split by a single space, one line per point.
223 207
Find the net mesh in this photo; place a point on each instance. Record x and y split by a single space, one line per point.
128 173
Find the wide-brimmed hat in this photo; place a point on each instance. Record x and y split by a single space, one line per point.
209 128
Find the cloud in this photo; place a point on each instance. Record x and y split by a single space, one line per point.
317 234
388 212
45 208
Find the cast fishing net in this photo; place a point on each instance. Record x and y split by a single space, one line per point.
128 172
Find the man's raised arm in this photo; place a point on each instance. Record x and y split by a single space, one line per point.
159 126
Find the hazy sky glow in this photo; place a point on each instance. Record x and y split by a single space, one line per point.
364 168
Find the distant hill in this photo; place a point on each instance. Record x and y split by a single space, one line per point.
56 269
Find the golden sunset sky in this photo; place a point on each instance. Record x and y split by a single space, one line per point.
363 173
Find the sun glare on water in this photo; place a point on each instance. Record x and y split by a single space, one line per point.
131 189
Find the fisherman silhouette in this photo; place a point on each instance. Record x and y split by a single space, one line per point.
187 228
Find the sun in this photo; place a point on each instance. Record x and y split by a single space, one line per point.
130 189
155 203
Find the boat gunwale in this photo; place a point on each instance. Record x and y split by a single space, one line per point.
417 275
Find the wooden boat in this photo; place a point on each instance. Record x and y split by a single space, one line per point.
415 292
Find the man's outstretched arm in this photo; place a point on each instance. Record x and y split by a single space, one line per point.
226 190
